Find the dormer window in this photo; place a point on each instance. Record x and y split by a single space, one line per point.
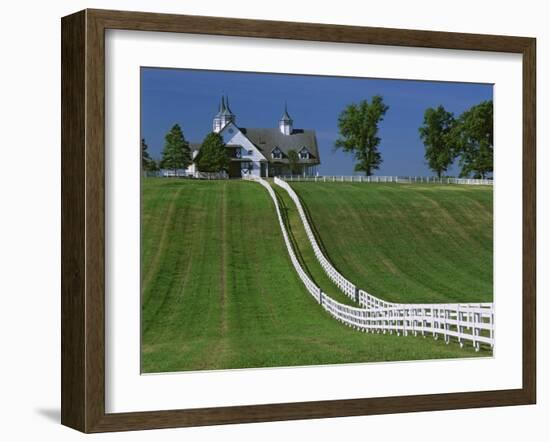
304 154
276 154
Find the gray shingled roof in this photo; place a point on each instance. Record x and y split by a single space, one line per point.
269 138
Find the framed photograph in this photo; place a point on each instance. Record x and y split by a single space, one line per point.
269 220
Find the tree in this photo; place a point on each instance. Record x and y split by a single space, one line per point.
213 155
293 161
436 135
358 126
473 140
176 153
147 163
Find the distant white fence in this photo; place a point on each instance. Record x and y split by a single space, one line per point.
180 173
387 179
466 322
211 175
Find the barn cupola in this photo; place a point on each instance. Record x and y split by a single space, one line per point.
217 122
285 123
224 116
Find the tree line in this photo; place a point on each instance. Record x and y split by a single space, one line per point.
468 137
177 155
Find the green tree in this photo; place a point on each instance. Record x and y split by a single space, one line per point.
473 140
213 155
176 153
358 126
293 161
436 135
148 164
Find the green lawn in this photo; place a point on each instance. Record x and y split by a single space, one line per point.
219 290
407 243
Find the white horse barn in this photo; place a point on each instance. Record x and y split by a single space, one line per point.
262 152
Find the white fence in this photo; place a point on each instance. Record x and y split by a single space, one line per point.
387 179
180 173
466 322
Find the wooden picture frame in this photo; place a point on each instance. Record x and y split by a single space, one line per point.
83 220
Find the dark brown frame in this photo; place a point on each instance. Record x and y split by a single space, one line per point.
83 216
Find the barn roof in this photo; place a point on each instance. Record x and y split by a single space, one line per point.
267 139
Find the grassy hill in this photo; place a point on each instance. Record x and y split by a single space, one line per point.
219 291
407 243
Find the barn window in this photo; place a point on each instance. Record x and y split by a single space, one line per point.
304 154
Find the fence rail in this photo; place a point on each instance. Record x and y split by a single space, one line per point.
466 322
387 179
180 173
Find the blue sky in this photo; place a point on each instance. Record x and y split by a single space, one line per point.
191 98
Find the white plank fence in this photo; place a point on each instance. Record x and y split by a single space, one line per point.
387 179
465 322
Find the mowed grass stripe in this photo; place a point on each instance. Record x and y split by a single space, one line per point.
155 209
411 227
270 319
185 292
407 243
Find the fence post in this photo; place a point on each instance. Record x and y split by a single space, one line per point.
423 322
446 315
460 329
371 321
476 331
